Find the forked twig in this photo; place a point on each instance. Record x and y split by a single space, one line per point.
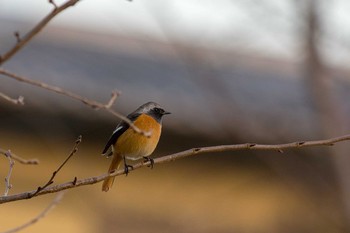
20 159
22 41
54 4
51 180
58 90
88 102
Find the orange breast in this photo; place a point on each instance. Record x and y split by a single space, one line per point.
134 145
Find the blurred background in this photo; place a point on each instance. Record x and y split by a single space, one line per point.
229 71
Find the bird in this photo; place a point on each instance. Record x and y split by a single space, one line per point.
126 143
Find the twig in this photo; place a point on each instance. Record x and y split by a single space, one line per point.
20 159
173 157
54 202
19 100
50 181
18 37
90 103
7 178
54 4
112 100
21 42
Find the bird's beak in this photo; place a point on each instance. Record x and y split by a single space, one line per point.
166 113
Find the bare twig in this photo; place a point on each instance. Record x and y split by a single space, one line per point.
88 102
21 42
54 202
18 37
7 178
54 4
50 181
173 157
91 103
19 100
20 159
112 100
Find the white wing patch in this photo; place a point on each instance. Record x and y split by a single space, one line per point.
117 129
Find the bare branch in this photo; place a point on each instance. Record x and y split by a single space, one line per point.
90 103
19 100
7 178
172 157
20 159
21 42
74 150
54 202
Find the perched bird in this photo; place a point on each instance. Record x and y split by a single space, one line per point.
125 143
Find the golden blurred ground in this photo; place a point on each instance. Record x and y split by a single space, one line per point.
182 196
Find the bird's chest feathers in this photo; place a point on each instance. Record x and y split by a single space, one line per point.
134 145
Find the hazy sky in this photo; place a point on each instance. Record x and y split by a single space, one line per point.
271 27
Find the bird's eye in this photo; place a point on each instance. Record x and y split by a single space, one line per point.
157 110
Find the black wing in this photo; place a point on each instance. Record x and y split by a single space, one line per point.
121 128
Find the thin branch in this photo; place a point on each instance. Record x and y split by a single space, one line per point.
88 102
172 157
21 42
54 4
18 37
19 100
91 103
7 178
112 100
54 202
51 180
20 159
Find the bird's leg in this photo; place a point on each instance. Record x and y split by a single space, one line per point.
146 159
127 167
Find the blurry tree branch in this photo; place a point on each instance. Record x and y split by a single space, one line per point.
329 108
22 41
58 90
51 180
19 100
91 103
172 157
7 178
54 202
20 159
11 157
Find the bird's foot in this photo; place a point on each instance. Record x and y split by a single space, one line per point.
127 167
146 159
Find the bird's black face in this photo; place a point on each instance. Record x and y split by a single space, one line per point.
152 109
158 113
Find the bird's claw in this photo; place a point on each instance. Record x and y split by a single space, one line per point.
146 159
127 167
